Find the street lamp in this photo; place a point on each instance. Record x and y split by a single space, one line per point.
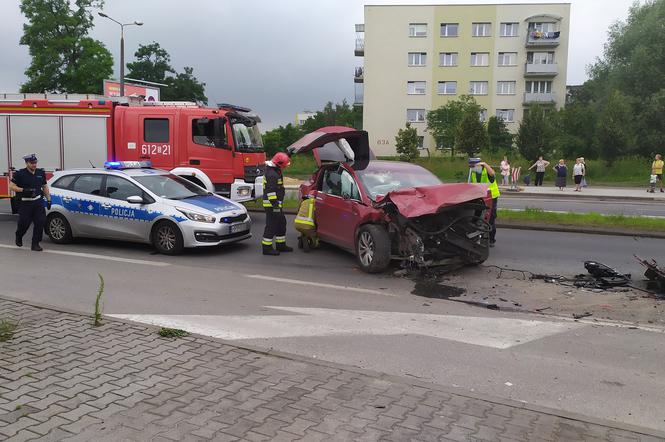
122 49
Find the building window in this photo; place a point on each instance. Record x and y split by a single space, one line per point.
482 115
509 29
415 115
542 27
449 29
415 87
480 59
507 115
448 59
538 87
421 142
540 57
507 58
447 87
481 29
417 58
505 88
417 30
478 88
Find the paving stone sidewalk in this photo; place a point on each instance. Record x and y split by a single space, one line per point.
62 379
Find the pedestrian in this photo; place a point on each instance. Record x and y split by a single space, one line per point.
561 174
30 186
540 166
505 171
657 169
273 198
481 172
578 174
586 171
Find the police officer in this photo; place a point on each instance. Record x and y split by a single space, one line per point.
273 196
30 186
481 172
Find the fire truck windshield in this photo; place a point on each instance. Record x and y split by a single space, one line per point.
247 138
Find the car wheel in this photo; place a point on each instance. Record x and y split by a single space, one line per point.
58 229
167 238
373 248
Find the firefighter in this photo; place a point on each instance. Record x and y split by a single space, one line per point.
481 172
273 197
31 188
306 224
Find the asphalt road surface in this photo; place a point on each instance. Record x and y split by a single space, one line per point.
615 207
320 305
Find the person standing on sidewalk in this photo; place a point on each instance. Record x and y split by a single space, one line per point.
561 174
30 185
481 172
505 171
273 198
540 166
578 174
657 169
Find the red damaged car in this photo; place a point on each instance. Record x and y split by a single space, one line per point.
390 210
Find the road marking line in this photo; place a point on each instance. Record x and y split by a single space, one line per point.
93 256
319 284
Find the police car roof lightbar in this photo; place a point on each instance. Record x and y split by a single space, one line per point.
118 165
233 107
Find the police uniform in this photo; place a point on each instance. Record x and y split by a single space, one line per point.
483 177
31 203
273 197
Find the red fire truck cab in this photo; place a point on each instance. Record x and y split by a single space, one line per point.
218 148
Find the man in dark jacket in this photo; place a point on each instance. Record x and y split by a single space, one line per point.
273 198
31 188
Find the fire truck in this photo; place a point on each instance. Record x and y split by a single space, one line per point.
219 148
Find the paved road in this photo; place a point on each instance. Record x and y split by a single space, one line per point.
653 208
320 305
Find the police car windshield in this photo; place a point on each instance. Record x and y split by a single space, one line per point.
170 186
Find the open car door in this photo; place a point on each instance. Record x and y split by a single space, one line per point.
335 144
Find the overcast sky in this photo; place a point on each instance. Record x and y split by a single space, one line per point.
277 57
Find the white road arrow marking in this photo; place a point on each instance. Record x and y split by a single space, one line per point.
489 332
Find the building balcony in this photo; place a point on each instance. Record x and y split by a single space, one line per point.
542 39
541 70
360 27
358 75
359 97
539 98
360 47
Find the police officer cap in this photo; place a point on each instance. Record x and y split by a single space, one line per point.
474 160
30 158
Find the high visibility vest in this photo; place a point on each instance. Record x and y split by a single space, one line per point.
484 178
305 218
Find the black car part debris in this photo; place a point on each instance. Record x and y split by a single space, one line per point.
655 274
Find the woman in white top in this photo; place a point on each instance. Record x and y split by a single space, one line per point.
578 174
505 171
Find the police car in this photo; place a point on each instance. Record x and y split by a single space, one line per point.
130 201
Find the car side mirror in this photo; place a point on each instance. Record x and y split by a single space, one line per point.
135 199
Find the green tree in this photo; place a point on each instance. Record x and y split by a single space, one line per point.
613 131
443 123
471 134
64 58
573 133
334 115
152 63
184 87
535 134
406 143
280 138
499 137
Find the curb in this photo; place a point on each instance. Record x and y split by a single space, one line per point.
567 196
378 375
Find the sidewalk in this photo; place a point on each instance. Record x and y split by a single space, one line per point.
597 193
62 379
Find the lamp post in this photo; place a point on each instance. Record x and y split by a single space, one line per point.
122 49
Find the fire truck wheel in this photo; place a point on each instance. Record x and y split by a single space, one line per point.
167 238
58 229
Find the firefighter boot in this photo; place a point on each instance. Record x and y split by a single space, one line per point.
268 250
282 247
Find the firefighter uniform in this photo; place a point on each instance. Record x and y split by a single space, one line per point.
273 198
306 225
31 203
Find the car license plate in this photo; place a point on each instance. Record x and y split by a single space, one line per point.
235 228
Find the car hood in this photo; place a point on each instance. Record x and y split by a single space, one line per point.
327 146
418 201
209 203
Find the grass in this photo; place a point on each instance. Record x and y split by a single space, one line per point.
98 307
166 332
7 329
637 223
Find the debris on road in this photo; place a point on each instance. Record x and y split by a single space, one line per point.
654 274
582 315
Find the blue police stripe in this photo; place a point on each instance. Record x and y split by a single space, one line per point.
94 208
212 203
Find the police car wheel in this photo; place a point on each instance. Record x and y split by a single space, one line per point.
167 238
58 229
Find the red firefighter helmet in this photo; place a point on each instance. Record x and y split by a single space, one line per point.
281 160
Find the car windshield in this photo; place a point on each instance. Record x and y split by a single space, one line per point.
247 138
170 186
380 182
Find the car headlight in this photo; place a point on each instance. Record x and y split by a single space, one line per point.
194 216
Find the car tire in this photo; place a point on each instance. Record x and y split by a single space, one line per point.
167 238
373 248
58 229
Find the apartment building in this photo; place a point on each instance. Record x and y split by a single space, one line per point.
417 58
